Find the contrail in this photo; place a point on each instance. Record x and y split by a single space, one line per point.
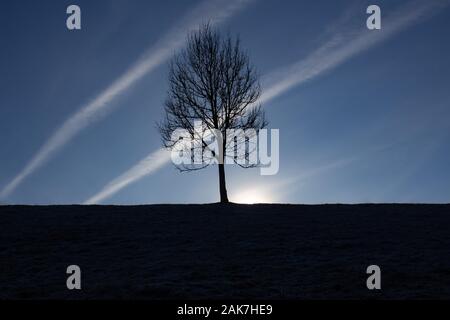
214 11
149 164
341 47
346 44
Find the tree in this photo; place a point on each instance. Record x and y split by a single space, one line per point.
213 81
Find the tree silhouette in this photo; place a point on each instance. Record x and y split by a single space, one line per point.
212 80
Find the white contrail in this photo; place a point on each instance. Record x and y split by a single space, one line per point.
213 11
344 45
152 162
341 47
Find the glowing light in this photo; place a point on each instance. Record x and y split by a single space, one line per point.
252 196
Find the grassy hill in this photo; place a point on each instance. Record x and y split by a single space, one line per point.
216 251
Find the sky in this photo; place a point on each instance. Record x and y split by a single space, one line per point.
363 115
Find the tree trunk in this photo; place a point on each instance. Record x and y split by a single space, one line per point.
222 184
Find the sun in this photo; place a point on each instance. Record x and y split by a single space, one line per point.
252 196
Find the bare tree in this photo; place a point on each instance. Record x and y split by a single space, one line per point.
213 81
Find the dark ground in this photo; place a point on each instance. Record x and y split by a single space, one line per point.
236 251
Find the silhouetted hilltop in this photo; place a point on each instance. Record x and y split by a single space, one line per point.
225 251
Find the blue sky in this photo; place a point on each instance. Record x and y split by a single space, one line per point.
363 115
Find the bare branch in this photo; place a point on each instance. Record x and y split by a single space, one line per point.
211 80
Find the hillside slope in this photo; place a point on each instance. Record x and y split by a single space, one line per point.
216 251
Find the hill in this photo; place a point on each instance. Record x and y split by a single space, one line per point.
216 251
